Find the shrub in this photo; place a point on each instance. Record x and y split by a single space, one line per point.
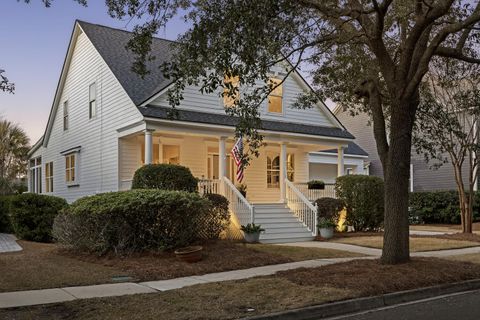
165 177
438 207
364 200
316 184
5 223
329 208
32 215
218 218
136 220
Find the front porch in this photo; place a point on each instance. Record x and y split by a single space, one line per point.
209 159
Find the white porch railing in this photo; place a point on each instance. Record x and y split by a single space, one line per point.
238 205
208 186
302 207
314 194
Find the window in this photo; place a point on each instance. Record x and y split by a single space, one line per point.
49 177
276 96
35 175
290 167
171 154
273 172
349 171
70 168
65 115
92 104
229 97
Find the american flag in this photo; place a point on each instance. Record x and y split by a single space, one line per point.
237 153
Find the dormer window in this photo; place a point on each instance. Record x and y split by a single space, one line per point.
231 93
275 103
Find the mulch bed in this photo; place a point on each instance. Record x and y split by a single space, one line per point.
370 277
217 256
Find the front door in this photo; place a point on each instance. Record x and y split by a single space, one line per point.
213 165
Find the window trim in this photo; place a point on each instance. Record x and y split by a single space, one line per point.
35 175
76 153
92 111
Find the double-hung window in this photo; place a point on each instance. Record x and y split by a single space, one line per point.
92 100
35 175
71 168
231 93
275 98
49 177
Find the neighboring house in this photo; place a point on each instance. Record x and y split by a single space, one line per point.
422 176
106 122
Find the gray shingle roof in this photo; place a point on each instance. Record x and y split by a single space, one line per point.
111 43
352 148
225 120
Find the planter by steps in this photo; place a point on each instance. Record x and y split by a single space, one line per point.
326 233
252 237
251 232
189 254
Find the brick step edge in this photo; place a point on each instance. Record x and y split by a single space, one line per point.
369 303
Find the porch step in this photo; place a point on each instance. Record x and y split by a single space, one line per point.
280 224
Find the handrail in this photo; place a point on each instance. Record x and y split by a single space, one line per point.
303 209
208 186
238 204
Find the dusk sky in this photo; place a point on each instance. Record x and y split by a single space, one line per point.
34 41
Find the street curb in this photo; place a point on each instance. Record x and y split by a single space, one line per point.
369 303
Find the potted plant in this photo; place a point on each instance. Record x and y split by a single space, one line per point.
242 189
251 232
189 254
326 227
316 185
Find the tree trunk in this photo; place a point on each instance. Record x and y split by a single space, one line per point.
396 175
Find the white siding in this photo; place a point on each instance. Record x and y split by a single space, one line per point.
194 100
98 158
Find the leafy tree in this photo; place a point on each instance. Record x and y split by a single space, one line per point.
14 146
5 85
447 126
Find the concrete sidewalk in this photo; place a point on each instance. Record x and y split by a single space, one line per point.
34 297
8 243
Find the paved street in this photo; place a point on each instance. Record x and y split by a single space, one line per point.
464 306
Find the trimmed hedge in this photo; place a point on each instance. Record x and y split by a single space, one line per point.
32 215
165 177
329 208
364 200
218 219
136 220
5 223
438 207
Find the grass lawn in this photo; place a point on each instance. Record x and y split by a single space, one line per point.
285 290
41 266
472 257
442 227
416 243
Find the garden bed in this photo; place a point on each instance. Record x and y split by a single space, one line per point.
41 266
238 299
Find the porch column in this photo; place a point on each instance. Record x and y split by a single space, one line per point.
283 171
222 158
341 162
148 147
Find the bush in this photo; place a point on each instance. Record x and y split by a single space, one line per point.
329 208
364 201
133 221
165 177
32 215
5 223
438 207
316 184
218 218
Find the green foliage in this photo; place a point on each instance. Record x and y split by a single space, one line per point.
316 184
165 177
364 200
329 208
5 223
438 207
32 215
326 223
219 217
138 220
252 228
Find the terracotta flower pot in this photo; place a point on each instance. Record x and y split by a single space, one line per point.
189 254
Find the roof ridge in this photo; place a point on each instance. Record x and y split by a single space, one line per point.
118 29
